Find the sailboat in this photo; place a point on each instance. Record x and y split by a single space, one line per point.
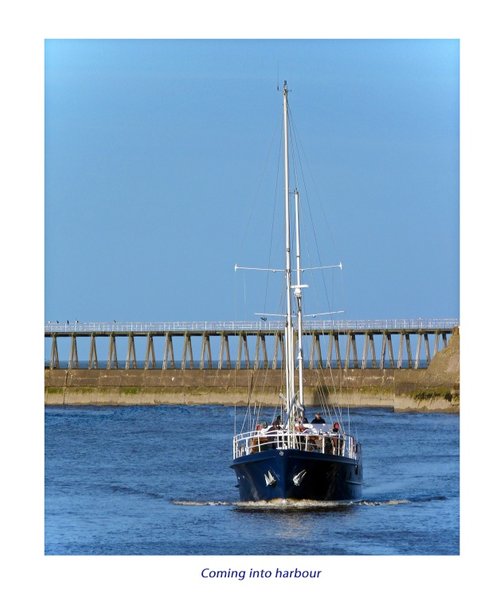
292 459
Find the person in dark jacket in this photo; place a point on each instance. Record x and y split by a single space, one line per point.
318 419
277 422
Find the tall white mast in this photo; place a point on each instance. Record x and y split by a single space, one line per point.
298 295
290 381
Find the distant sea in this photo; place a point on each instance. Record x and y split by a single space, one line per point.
83 364
156 480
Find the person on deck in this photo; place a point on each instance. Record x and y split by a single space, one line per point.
318 419
277 422
338 442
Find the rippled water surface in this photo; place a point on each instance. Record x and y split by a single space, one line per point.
156 480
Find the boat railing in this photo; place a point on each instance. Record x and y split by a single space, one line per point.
308 440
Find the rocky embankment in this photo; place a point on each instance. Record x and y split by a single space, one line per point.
439 387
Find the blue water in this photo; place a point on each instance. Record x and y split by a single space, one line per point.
156 480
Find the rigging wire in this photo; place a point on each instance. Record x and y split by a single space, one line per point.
257 192
297 167
299 152
275 208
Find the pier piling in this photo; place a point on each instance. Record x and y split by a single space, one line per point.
336 340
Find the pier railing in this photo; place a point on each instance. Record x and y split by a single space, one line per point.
243 326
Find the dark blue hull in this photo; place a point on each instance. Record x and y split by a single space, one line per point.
298 475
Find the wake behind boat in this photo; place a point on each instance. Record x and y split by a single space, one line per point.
293 459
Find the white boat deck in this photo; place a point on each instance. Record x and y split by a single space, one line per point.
308 438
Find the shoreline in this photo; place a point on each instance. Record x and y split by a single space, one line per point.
92 397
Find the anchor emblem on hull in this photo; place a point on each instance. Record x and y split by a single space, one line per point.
270 479
297 479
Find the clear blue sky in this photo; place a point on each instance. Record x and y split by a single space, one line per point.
161 167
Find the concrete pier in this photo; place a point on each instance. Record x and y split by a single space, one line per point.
243 345
364 383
